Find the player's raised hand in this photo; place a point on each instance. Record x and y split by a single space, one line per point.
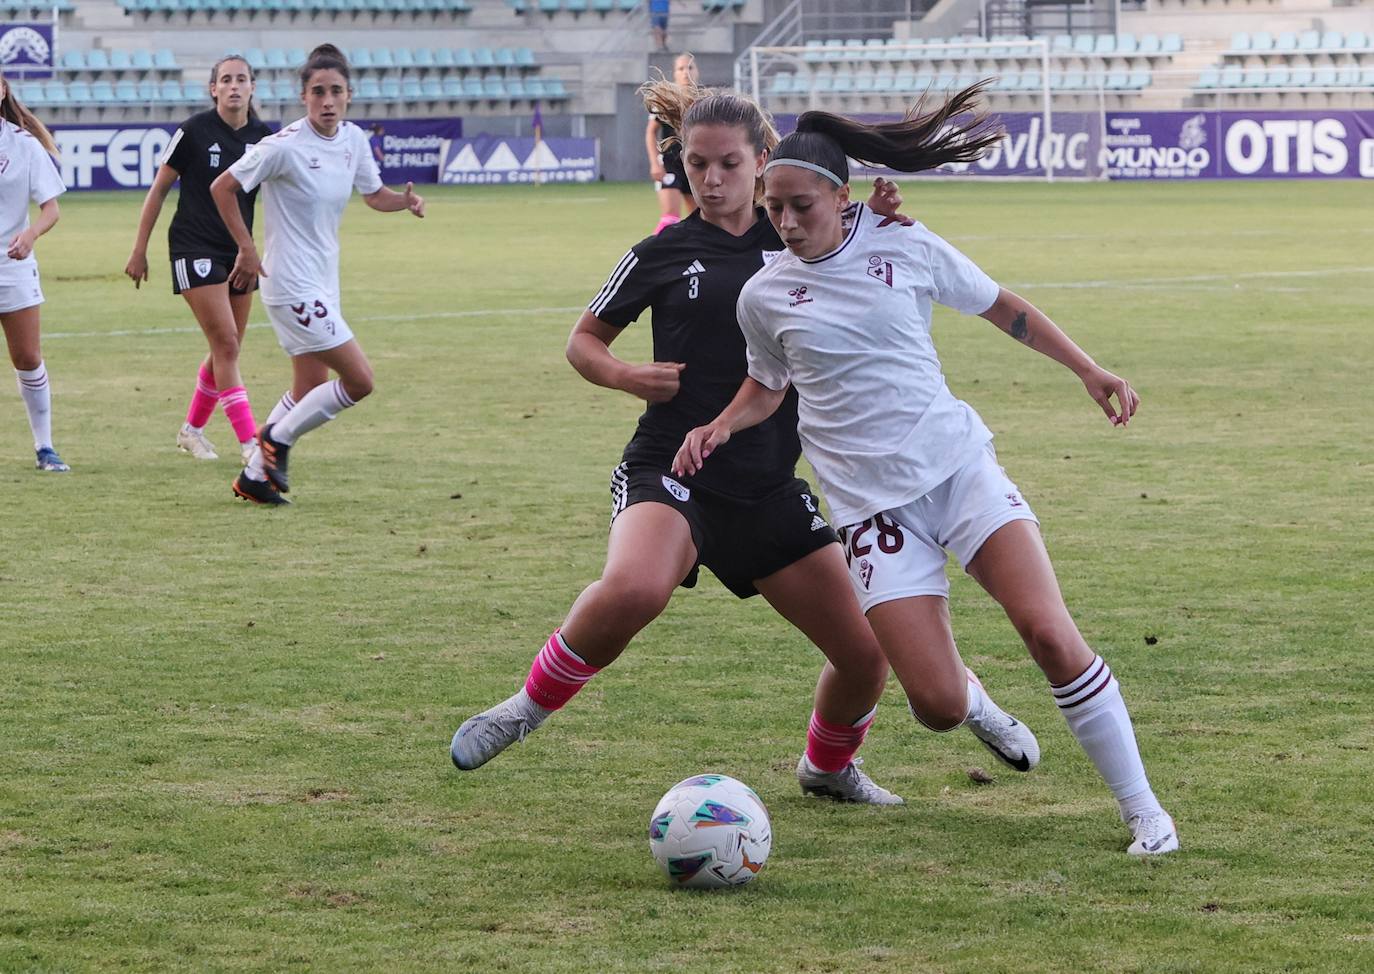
886 201
654 382
415 203
137 268
699 444
1102 386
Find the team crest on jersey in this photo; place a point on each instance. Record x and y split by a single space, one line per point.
314 162
1014 499
676 489
880 269
201 266
768 256
798 296
865 572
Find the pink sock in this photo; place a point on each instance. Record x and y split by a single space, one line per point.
239 413
557 674
204 400
667 220
829 747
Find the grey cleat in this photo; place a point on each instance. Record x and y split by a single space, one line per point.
483 737
849 784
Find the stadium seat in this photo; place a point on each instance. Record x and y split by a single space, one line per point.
1139 80
369 89
102 93
255 57
1324 78
169 91
781 83
1062 44
484 57
1254 77
1332 41
119 60
430 90
1301 78
55 93
452 87
515 89
295 58
1261 41
361 59
276 59
164 59
1367 77
73 61
1286 42
1275 78
884 84
463 58
402 58
1171 44
142 60
1117 81
148 91
575 6
524 57
195 93
1126 44
505 57
1356 40
555 89
1232 76
79 93
534 88
1210 78
1309 40
1348 76
424 57
493 88
97 60
1105 44
1149 43
410 89
472 89
842 83
549 7
443 57
391 88
822 84
1032 81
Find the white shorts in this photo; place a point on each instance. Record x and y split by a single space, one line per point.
310 326
17 297
901 553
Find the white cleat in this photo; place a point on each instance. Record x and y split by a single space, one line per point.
1005 736
191 440
1154 835
483 737
849 784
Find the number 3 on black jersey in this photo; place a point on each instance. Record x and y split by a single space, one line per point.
692 289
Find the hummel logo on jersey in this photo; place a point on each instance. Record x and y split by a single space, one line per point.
676 489
880 269
798 296
694 268
817 523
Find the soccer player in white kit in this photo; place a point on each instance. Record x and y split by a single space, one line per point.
307 172
27 173
844 318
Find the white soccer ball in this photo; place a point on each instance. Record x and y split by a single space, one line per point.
710 831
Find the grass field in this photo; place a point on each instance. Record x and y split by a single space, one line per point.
224 730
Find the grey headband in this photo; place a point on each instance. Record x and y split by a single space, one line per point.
802 164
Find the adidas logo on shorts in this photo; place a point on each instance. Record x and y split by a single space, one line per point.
817 523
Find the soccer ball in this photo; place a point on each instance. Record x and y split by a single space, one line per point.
710 831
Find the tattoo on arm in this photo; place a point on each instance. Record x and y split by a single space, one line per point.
1020 330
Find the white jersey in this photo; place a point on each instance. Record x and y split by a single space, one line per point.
27 174
306 181
851 331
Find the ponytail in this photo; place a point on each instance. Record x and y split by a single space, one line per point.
13 110
920 141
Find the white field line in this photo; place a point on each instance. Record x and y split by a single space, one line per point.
1104 284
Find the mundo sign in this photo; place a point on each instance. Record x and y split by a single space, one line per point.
511 159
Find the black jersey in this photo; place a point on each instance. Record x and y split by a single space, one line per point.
690 275
201 149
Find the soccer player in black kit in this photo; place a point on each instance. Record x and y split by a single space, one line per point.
202 250
751 520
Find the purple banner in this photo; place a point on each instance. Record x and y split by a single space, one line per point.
26 50
125 156
519 159
1174 145
1240 145
408 150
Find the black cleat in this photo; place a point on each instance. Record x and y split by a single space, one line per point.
274 456
257 491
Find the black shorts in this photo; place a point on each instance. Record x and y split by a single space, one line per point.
197 270
739 541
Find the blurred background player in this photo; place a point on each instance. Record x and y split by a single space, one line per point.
749 519
27 174
203 252
843 321
665 163
308 171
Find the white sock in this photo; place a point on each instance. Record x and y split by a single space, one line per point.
33 387
282 407
316 407
976 698
1097 717
253 470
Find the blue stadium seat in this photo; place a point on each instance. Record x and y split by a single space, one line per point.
142 59
102 93
1149 43
549 6
403 58
575 6
1232 76
430 90
1138 80
424 57
822 84
1171 44
484 57
534 88
1301 78
147 91
276 59
781 83
1117 81
1105 44
164 59
169 91
361 59
505 57
195 93
381 58
391 88
1031 81
524 57
295 58
1324 77
97 60
1126 44
73 60
1253 77
1062 44
255 57
814 50
1331 41
1277 77
1309 40
554 89
119 60
603 7
1286 42
443 58
472 89
842 83
834 49
1348 76
515 88
1356 40
1261 41
463 58
410 89
369 89
1210 78
493 88
884 84
1367 77
452 87
55 93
